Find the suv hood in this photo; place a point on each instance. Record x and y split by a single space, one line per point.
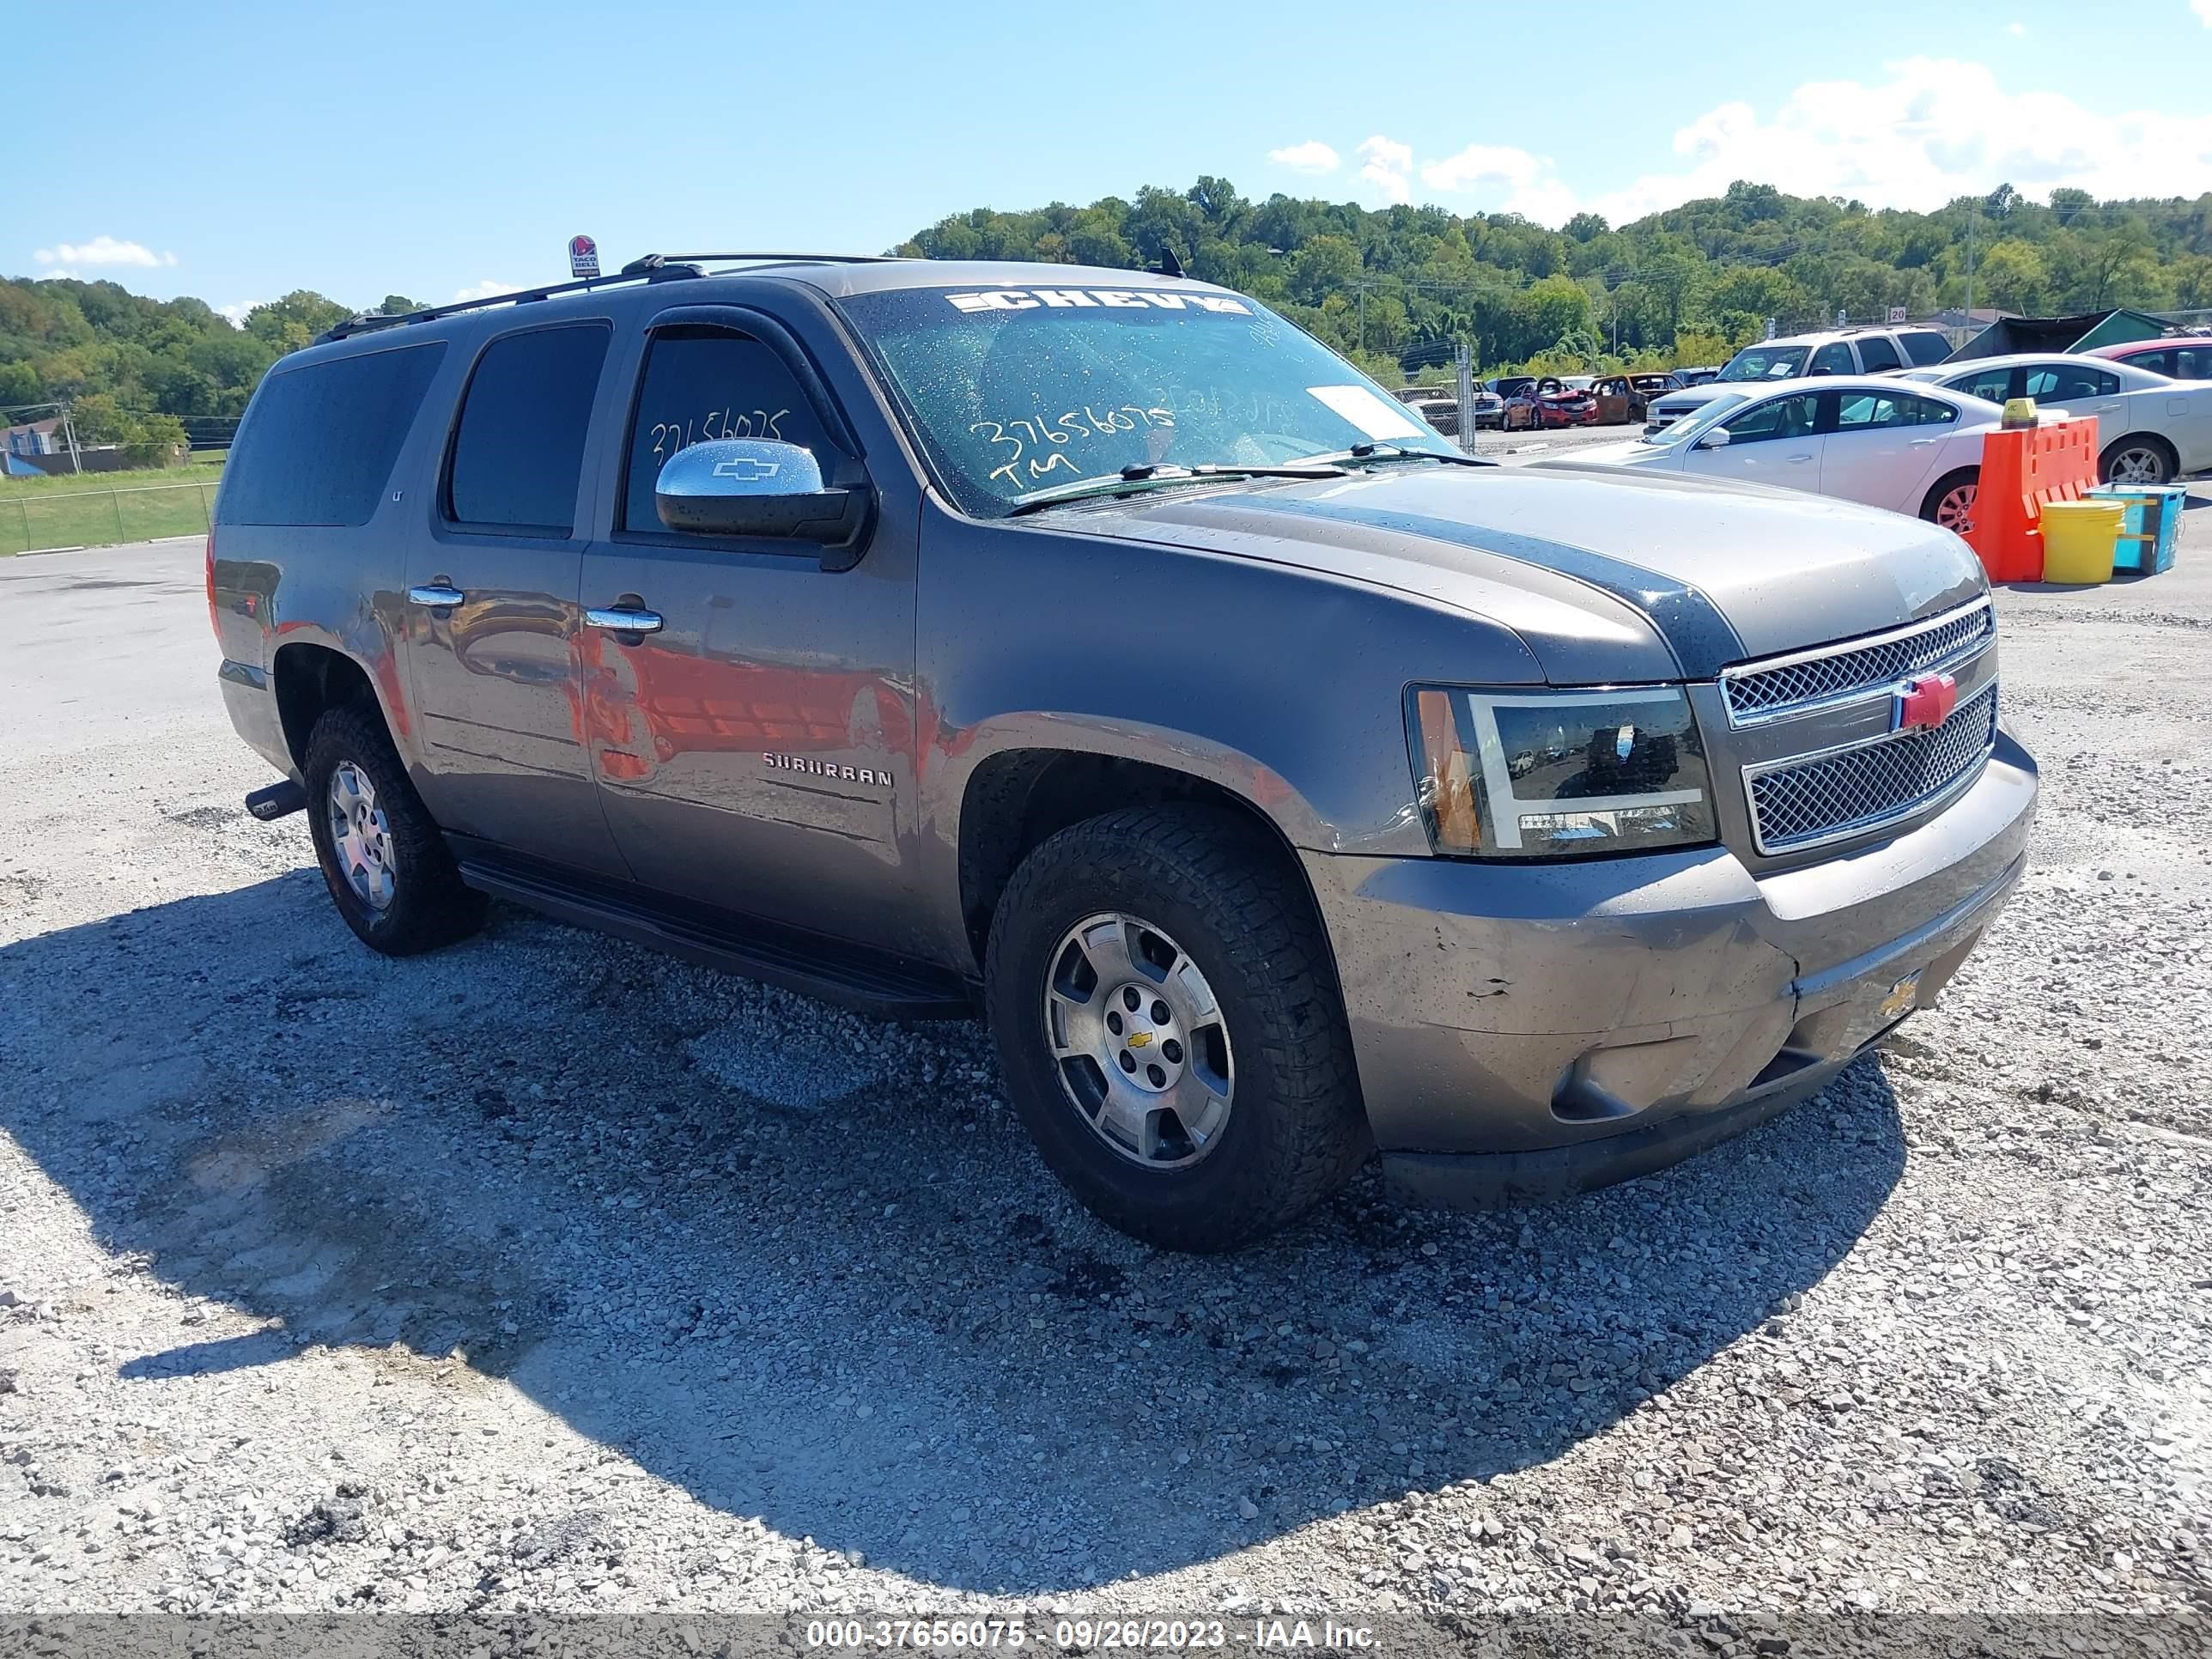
1605 574
1681 402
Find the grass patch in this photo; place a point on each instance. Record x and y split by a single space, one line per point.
102 517
194 473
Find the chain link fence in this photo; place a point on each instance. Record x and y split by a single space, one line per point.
41 521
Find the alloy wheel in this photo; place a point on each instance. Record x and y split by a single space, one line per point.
360 837
2138 463
1955 511
1139 1042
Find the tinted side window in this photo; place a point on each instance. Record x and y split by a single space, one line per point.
1991 383
2157 362
2194 363
519 445
319 446
1785 417
1925 346
1925 411
2069 381
1861 411
703 384
1833 360
1879 354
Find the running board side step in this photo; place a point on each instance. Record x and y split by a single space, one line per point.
278 801
852 976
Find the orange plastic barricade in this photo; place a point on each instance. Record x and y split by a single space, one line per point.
2022 469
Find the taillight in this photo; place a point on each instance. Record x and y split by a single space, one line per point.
212 622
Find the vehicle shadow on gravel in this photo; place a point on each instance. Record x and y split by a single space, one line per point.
804 1266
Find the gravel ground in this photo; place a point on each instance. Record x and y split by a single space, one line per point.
551 1274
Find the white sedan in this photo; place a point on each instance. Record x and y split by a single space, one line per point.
1872 439
2152 429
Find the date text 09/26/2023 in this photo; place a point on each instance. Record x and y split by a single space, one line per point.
1090 1635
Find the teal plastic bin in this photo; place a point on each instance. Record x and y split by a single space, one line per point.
2151 527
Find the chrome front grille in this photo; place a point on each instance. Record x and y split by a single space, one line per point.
1780 687
1850 791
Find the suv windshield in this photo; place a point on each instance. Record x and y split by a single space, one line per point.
1766 363
1016 390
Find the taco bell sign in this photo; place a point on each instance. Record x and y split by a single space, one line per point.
583 257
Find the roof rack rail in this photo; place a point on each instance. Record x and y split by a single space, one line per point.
653 261
652 268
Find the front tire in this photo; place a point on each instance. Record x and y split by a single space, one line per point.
1950 499
1169 1023
381 855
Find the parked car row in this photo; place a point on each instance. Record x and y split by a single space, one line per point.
1913 442
1531 403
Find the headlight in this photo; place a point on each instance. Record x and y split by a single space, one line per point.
1531 774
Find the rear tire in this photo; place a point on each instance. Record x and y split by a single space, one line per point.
1164 889
1950 499
2136 459
381 855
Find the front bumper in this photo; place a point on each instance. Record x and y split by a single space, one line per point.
1527 1030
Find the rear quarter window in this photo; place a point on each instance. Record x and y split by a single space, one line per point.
1878 355
1924 346
319 446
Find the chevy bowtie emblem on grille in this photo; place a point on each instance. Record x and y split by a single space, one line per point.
1924 703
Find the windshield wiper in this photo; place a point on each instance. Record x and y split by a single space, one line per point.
1131 478
1372 454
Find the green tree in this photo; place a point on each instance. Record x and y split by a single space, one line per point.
294 321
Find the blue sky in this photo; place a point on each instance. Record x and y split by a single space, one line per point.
239 150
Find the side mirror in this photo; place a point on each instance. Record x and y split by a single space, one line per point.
758 487
1717 439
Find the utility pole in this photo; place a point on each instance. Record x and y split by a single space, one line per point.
1360 288
1974 219
69 434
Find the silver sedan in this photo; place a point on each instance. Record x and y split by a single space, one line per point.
2151 429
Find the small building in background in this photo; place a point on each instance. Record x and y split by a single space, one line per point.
36 438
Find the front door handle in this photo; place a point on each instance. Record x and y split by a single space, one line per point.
621 620
438 594
1796 460
1923 443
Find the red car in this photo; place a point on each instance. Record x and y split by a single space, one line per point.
1549 402
2184 356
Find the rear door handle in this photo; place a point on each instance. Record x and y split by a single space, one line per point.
623 621
436 594
1923 443
1796 460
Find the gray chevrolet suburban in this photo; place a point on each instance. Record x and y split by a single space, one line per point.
1095 648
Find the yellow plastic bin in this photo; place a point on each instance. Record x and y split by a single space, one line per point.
2079 539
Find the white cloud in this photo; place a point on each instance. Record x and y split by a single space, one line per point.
102 251
1388 162
484 291
1525 183
2203 10
238 313
1315 156
1937 127
1930 131
2017 30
